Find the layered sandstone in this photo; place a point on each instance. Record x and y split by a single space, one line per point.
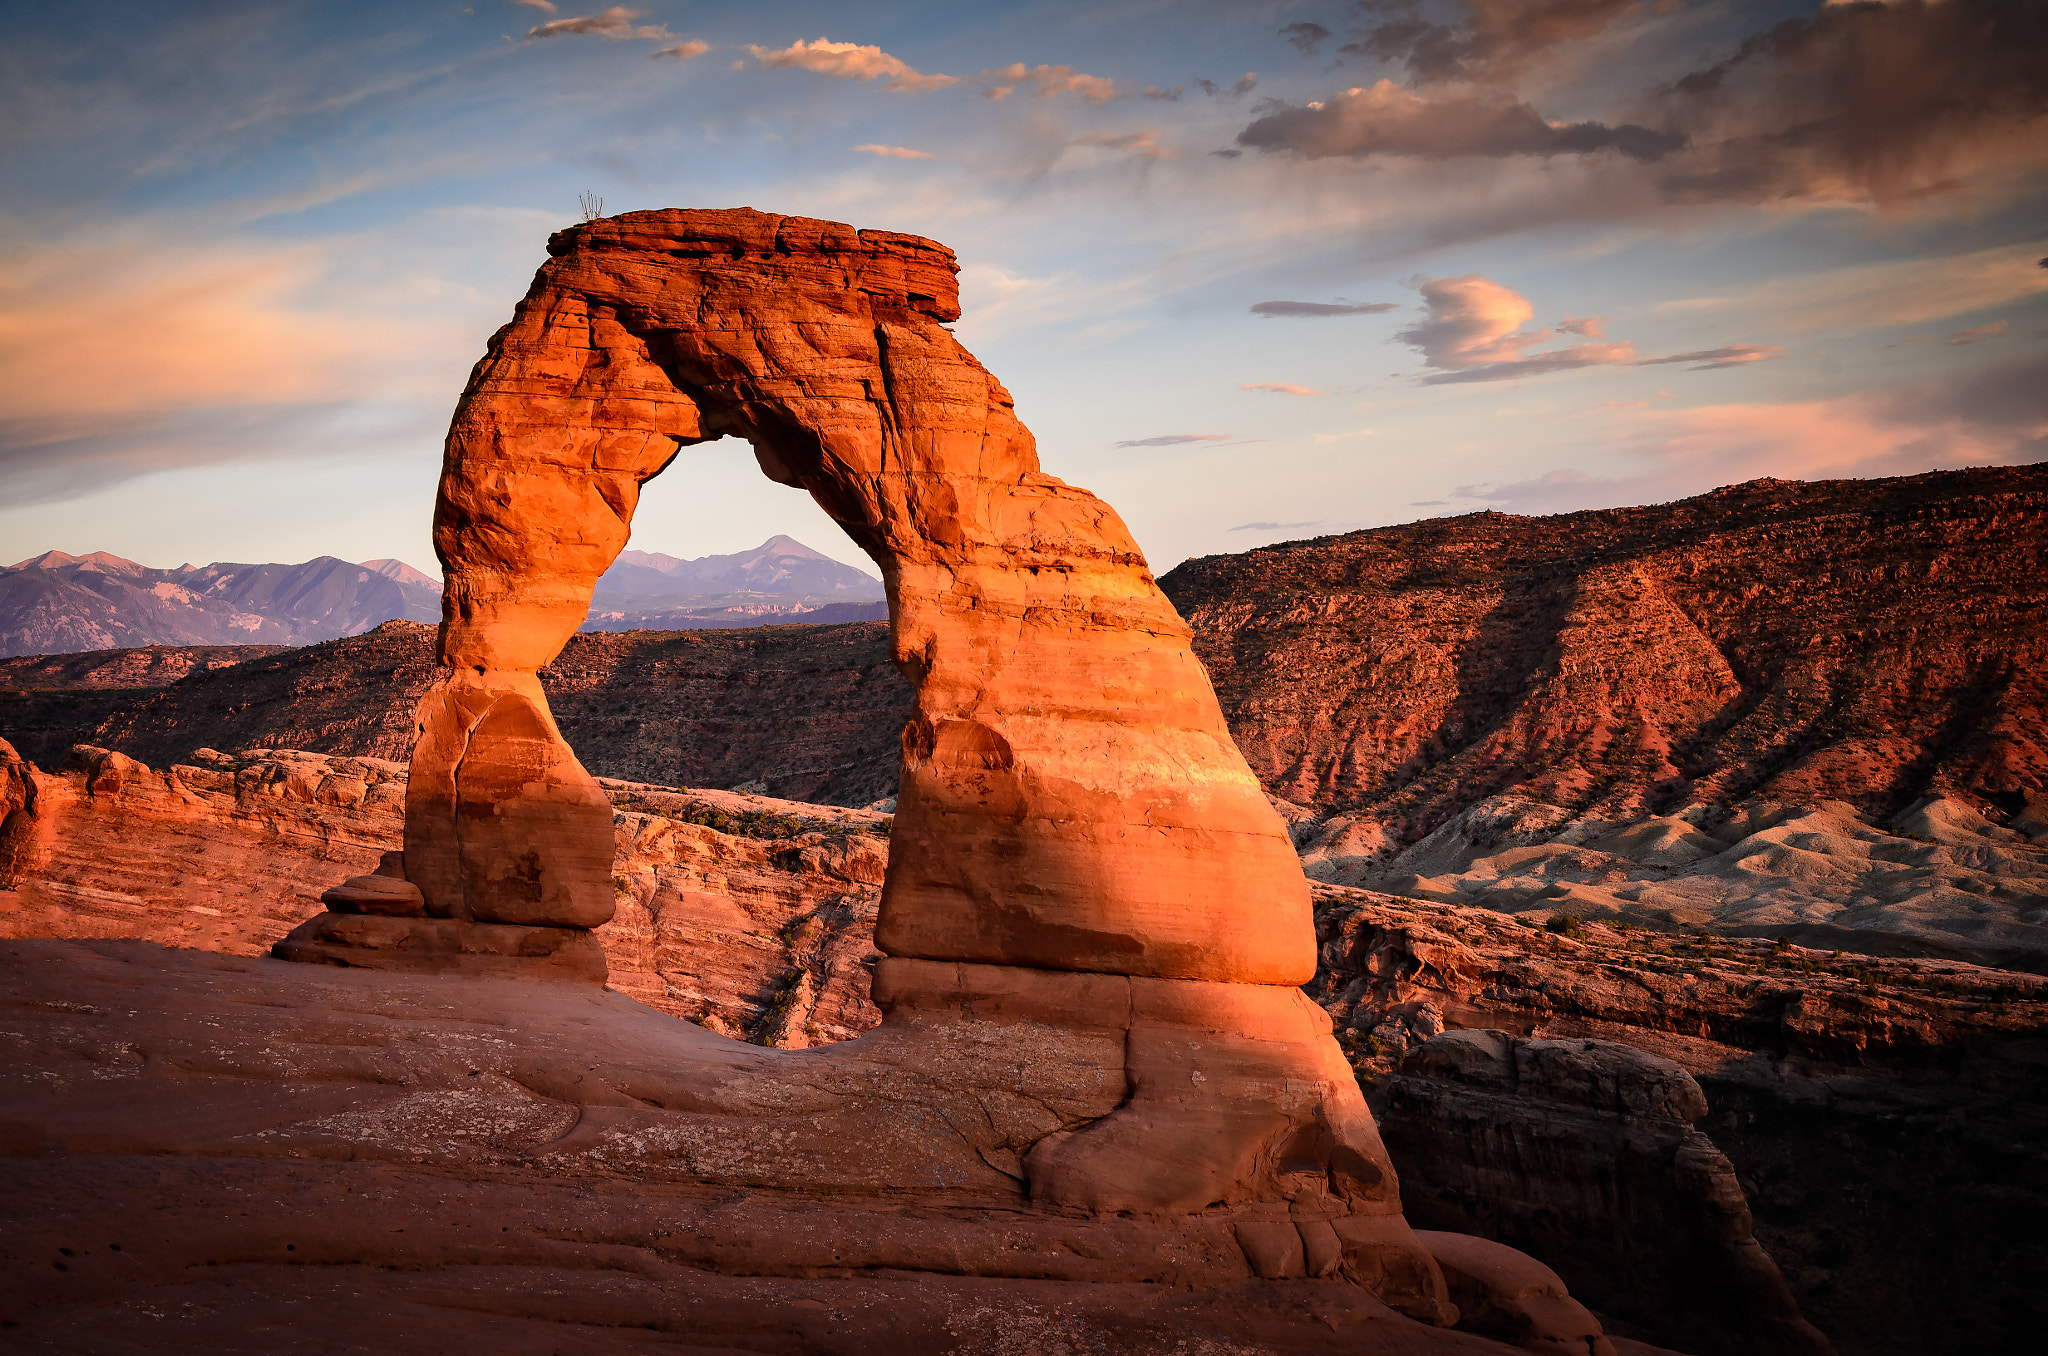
1879 1115
1876 642
1876 1111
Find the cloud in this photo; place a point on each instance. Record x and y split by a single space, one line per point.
851 61
1885 103
1282 388
1245 84
1978 335
1872 296
1274 527
1174 439
1321 308
1998 416
1170 95
894 152
1734 355
1390 119
1306 37
1346 437
1496 40
1888 105
615 23
1046 81
544 6
1145 143
1473 332
683 51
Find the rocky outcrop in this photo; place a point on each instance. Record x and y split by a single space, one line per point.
1880 1113
1873 641
1584 1151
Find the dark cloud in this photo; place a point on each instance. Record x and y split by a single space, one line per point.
615 23
1734 355
1174 439
1306 37
1495 40
1319 308
1389 119
1885 103
1246 83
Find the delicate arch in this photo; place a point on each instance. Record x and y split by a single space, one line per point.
1071 798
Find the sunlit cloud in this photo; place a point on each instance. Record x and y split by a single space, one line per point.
1733 355
1474 332
1046 81
894 152
1282 388
682 51
852 61
1977 336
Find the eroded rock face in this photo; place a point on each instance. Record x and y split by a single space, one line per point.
1084 878
1071 798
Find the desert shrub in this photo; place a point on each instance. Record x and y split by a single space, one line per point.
1567 925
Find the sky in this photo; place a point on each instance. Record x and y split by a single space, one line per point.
1254 272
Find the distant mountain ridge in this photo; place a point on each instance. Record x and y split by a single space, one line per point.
58 603
780 568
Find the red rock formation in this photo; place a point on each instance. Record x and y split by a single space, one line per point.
1078 845
1874 641
1071 798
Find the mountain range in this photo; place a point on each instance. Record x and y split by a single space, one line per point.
57 603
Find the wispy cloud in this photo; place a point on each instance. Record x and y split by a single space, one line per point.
1046 81
1145 144
1321 308
615 23
1734 355
1980 334
894 152
683 51
1282 388
1174 439
1275 527
1871 296
852 61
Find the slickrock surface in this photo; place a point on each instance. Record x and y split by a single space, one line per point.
214 1153
1883 1114
1875 642
1884 1117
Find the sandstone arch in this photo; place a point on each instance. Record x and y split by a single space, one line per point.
1071 797
1078 845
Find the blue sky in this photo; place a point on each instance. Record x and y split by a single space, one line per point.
1252 271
